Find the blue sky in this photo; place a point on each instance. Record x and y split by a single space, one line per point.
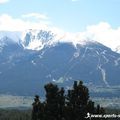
74 20
70 15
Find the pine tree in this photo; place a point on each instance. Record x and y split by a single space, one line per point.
52 102
77 99
37 112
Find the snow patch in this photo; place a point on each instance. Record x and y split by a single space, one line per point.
117 62
33 62
103 72
76 54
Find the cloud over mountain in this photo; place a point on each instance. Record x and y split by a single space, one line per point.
101 32
8 23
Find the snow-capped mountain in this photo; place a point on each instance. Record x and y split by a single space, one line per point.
37 39
35 57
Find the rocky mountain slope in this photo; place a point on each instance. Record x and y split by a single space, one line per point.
36 58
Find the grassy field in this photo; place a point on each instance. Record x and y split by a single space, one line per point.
15 114
18 114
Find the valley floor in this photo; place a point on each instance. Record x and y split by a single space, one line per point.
19 107
9 101
15 114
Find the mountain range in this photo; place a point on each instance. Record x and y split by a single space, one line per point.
30 59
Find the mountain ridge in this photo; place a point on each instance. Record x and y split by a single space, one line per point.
37 39
26 71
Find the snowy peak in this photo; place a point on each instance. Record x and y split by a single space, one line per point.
36 40
29 39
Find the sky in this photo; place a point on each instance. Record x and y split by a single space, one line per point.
77 19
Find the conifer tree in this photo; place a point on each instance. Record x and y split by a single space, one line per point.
52 107
77 99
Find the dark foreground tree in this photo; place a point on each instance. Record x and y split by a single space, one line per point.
74 105
38 109
54 103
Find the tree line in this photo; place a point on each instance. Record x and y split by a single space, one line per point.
61 104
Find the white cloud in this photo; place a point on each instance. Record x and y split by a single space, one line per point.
8 23
3 1
75 0
102 32
35 15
